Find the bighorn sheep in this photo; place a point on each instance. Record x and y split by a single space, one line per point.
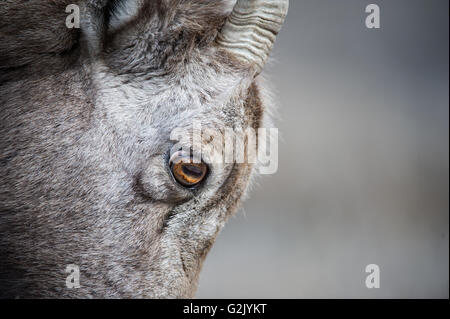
88 171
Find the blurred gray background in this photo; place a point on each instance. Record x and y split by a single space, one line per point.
363 163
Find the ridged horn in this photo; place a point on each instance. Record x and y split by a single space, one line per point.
250 30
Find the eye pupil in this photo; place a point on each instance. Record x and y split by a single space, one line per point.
192 170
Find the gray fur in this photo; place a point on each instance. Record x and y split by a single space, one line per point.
85 119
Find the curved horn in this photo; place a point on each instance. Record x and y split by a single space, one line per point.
251 28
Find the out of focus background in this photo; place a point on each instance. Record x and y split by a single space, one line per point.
363 172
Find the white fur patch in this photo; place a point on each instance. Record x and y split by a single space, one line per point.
124 13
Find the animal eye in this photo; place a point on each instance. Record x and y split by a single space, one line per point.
185 171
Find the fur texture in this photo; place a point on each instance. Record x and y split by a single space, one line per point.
85 122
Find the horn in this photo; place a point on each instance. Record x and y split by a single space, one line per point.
251 28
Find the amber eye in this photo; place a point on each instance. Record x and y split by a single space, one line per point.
186 172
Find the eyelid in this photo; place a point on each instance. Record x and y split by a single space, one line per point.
177 155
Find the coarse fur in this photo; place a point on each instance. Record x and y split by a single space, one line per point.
85 122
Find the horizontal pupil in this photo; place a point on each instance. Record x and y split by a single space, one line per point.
192 170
